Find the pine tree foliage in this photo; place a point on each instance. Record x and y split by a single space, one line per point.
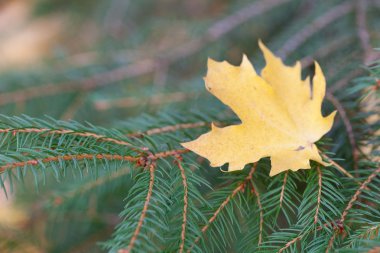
124 184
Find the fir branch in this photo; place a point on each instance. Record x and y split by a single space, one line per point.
68 157
359 191
283 188
171 128
348 126
340 168
132 242
319 194
290 243
98 137
261 223
185 205
239 188
350 204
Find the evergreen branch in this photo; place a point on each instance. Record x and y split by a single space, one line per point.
319 194
239 188
330 243
132 242
350 204
110 157
68 157
185 205
362 187
98 137
171 128
290 243
318 24
348 126
340 168
283 188
256 192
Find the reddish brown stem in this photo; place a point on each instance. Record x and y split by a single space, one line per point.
239 188
65 131
70 157
143 212
352 201
319 172
171 128
185 205
283 188
348 126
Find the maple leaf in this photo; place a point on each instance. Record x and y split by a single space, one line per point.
280 114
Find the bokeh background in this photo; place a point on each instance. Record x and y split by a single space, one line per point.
108 61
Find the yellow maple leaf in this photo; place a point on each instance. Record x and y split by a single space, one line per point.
280 114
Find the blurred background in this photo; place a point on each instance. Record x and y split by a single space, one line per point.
107 61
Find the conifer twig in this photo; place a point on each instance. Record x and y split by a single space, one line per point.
185 205
283 188
170 128
68 157
84 156
290 243
352 201
348 126
239 188
98 137
319 172
132 242
362 187
261 223
340 168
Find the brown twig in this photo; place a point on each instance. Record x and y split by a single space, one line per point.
185 205
352 201
132 242
340 168
348 126
331 243
318 24
358 192
283 188
261 224
290 243
98 137
67 157
319 194
171 128
239 188
70 157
